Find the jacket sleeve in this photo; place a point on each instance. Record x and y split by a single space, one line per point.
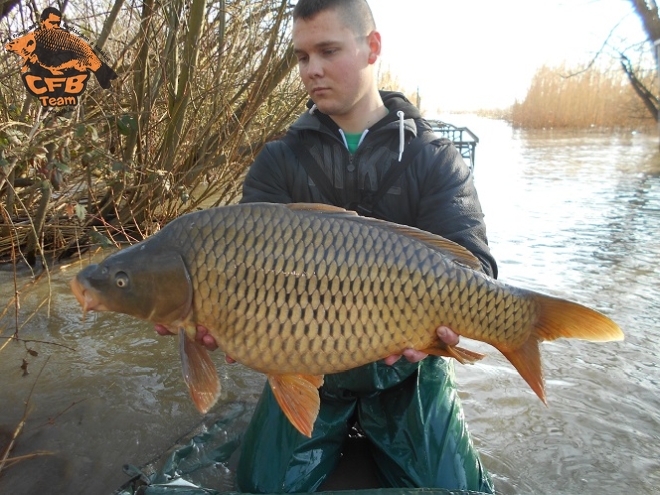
449 205
266 179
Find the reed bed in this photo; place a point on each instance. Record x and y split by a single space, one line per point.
202 86
563 97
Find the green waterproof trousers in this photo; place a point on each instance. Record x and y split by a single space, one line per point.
411 414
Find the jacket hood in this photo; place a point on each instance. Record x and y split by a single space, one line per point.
394 101
402 116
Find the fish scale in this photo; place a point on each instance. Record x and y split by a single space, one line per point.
53 42
300 291
361 289
59 39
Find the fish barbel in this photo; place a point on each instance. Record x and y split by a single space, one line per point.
299 291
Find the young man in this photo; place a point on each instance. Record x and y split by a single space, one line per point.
408 408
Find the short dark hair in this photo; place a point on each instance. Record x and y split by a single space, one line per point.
50 10
356 14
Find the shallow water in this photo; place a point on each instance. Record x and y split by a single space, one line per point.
571 214
575 215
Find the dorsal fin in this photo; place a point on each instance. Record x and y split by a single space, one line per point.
449 248
320 208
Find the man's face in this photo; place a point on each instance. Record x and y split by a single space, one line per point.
51 22
333 61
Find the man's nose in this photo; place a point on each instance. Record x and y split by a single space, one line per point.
314 67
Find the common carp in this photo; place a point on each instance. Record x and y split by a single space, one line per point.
58 50
299 291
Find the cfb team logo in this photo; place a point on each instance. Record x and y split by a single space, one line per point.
56 63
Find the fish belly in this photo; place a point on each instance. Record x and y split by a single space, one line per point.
297 292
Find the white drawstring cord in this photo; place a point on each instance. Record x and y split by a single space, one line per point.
401 134
343 136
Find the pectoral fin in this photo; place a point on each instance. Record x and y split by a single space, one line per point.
463 356
298 396
199 373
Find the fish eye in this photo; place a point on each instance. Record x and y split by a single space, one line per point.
121 280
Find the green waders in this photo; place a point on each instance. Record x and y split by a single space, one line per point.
411 414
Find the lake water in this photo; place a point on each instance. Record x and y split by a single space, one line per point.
572 214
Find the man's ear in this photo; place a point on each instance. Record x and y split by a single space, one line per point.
373 40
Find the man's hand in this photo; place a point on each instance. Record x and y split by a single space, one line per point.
202 336
445 334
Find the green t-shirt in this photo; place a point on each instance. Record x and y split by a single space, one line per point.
352 141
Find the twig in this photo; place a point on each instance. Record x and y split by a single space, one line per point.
39 248
52 420
17 303
10 461
595 57
35 341
21 423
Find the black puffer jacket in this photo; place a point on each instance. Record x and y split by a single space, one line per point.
435 193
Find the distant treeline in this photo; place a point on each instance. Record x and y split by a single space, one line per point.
562 97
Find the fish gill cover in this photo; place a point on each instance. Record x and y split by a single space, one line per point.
57 63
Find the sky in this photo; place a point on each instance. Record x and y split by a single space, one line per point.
482 54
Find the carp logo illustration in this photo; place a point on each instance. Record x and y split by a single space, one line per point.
56 63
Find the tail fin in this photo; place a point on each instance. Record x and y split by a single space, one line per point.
104 75
558 318
561 318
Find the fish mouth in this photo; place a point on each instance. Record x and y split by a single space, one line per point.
86 298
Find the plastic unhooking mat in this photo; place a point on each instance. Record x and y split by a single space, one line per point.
203 463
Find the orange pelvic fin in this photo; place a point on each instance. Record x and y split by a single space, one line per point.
298 396
558 318
199 373
463 356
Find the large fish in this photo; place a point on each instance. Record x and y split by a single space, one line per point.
58 50
299 291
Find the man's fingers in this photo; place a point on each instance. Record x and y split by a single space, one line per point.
390 360
413 355
208 341
447 335
205 338
161 330
202 336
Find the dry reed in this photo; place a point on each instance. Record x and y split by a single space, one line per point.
561 97
201 89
